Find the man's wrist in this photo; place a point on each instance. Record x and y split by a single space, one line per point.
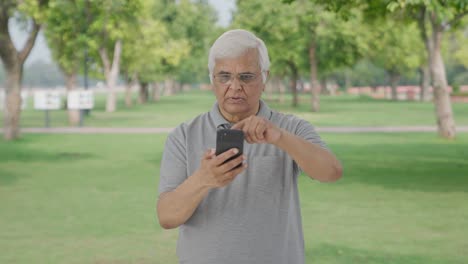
282 136
199 182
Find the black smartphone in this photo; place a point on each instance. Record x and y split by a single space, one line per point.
227 139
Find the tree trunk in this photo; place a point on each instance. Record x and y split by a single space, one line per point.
394 80
177 87
443 105
111 101
293 87
111 72
323 86
13 61
314 83
156 92
128 94
293 83
144 93
426 71
282 91
12 109
333 87
347 79
424 82
300 84
169 87
73 114
186 87
130 82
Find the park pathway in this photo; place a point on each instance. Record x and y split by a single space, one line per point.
157 130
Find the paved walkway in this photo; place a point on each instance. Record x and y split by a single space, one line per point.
156 130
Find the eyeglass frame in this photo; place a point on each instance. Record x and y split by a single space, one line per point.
238 77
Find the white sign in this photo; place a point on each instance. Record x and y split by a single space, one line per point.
83 99
24 100
47 100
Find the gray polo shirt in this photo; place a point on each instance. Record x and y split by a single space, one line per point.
254 219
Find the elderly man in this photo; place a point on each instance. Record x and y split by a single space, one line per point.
240 214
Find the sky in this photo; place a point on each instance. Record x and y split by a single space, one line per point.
42 52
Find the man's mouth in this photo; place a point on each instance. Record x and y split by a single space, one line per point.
236 99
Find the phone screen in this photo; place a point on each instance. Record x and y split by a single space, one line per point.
227 139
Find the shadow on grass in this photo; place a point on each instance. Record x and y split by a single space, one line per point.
10 153
429 167
7 177
327 253
20 151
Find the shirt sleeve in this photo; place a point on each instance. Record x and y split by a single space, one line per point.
174 162
307 131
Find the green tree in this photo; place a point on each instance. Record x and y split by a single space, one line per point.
276 24
146 47
196 23
109 24
66 36
396 48
192 22
151 50
304 38
335 43
461 51
365 73
456 56
33 13
436 17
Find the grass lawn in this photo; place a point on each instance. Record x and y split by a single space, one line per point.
91 199
342 110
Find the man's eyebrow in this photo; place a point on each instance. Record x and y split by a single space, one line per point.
225 72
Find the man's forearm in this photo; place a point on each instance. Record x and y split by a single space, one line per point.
316 162
175 207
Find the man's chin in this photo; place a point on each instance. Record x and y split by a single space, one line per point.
236 109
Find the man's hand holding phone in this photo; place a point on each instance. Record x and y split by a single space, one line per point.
216 171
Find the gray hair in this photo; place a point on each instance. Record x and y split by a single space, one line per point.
234 43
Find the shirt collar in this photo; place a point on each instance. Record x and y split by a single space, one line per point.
218 118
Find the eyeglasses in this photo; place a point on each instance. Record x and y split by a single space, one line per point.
244 78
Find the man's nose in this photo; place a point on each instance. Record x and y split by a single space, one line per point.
235 84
